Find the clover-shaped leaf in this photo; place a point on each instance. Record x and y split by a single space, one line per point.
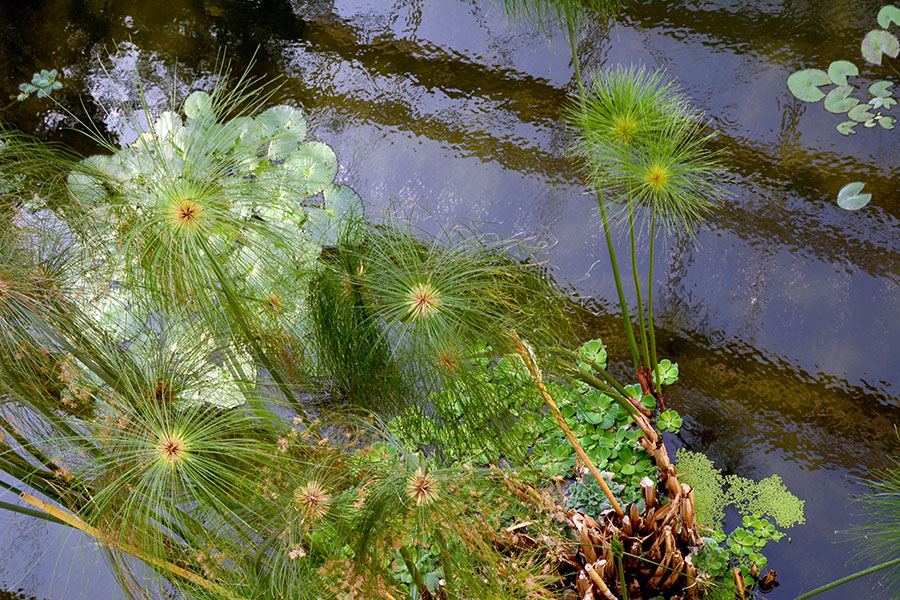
851 197
887 15
880 89
838 100
846 127
840 69
805 84
878 42
878 102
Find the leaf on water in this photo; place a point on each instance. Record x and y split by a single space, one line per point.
887 15
870 123
840 69
860 113
887 122
283 118
880 89
851 197
198 104
805 84
878 42
846 127
837 100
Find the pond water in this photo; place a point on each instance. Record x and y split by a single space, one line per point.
783 319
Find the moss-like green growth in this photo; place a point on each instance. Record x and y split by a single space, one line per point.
713 492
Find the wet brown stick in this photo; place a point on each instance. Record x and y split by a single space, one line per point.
538 380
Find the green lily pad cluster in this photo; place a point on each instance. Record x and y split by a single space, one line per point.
232 174
876 44
42 85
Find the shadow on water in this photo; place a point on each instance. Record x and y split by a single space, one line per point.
782 320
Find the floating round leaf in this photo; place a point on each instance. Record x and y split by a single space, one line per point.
345 202
840 69
880 89
86 187
198 104
837 100
286 127
860 113
887 122
805 84
851 197
887 15
846 127
314 164
878 42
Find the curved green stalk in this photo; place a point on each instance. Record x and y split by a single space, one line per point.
612 381
629 331
570 24
843 580
653 364
637 283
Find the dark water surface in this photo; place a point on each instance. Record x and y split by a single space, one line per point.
784 320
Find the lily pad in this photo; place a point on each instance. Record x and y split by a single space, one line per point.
344 201
887 15
846 127
840 69
878 42
197 105
887 122
805 84
285 126
860 113
838 100
851 197
880 89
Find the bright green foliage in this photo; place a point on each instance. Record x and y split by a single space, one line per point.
713 492
878 539
667 372
42 85
644 145
877 43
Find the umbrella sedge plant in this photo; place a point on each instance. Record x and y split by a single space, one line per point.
420 318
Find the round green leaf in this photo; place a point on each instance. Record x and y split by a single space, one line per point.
345 202
838 100
846 127
198 104
878 42
851 197
860 113
879 89
805 84
283 118
840 69
887 122
887 15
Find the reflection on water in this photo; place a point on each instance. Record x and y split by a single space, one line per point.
783 321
